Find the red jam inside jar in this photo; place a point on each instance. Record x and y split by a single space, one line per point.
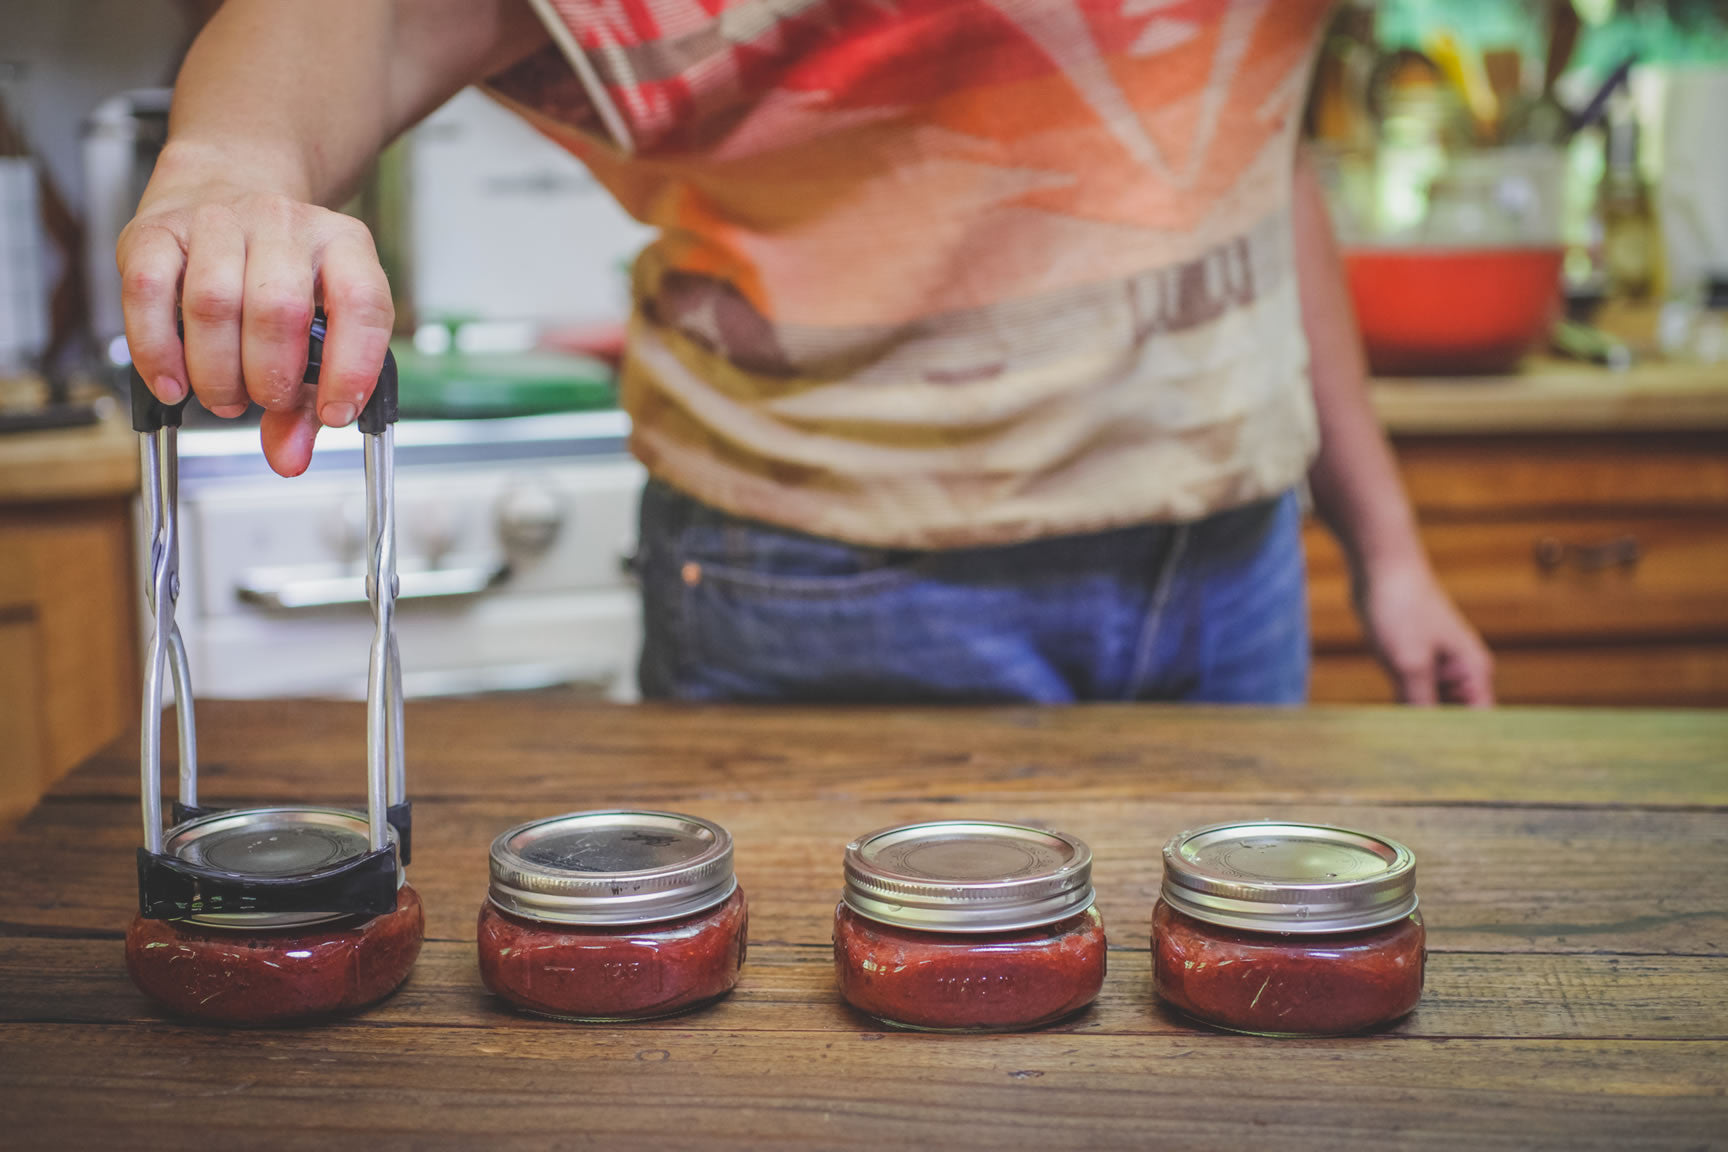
612 916
968 926
951 981
272 965
252 976
1288 930
624 973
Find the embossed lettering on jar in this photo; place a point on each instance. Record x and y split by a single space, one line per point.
610 916
968 926
1283 929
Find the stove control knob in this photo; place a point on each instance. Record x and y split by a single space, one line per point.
432 530
345 532
530 515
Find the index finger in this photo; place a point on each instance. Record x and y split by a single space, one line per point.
150 270
360 317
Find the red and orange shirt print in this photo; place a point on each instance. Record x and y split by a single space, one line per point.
937 273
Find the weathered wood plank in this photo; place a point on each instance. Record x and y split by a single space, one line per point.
787 988
1555 848
550 746
129 1086
1497 880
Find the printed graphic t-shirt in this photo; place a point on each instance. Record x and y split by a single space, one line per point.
940 273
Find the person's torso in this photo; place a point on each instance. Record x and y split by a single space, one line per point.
951 271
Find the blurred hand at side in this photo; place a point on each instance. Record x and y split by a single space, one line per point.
1429 650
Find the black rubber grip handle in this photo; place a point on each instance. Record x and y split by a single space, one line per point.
171 889
401 818
380 410
150 414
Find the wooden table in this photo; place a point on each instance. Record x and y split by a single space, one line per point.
1573 872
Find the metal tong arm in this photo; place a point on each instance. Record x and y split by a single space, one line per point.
157 424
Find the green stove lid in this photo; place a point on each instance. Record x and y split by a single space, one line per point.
492 384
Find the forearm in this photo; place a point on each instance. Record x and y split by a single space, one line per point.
1426 645
296 97
1355 483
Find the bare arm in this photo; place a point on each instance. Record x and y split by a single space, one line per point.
1430 651
279 108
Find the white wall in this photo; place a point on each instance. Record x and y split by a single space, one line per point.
76 53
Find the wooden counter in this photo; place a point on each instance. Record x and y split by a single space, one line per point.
68 596
1571 876
97 461
1556 396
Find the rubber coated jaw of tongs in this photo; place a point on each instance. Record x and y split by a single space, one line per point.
165 655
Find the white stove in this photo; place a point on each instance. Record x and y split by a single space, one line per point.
514 539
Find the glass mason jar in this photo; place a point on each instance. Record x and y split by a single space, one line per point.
1281 929
968 926
611 916
280 967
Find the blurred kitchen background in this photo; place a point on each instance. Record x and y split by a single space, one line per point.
1533 198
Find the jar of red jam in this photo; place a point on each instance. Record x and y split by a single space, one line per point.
968 926
271 915
610 916
1281 929
244 922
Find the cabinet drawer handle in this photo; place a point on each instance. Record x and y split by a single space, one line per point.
1552 554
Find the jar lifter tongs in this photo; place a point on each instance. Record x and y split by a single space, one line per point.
171 887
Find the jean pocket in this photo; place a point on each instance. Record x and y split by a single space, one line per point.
758 559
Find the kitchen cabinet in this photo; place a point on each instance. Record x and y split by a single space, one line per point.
68 615
1580 521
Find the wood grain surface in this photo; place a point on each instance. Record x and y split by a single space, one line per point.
100 460
1547 396
1571 863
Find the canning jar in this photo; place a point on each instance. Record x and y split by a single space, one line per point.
299 960
962 926
609 916
1282 929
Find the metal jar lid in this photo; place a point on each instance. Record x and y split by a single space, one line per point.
271 843
612 867
1275 876
968 876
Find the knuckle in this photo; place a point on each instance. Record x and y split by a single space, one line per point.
282 314
211 305
363 302
141 284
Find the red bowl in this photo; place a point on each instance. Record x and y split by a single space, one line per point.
1436 311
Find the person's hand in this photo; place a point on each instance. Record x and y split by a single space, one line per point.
1431 652
243 269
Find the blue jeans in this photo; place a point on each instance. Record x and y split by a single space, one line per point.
1212 611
